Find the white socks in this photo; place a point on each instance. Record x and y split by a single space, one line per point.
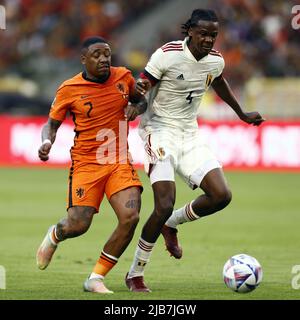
182 215
52 236
94 275
141 258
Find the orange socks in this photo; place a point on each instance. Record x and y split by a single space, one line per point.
104 264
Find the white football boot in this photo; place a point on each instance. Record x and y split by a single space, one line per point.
95 285
46 250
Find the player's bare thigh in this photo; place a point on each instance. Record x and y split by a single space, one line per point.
126 204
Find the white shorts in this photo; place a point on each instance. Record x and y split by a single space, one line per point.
173 150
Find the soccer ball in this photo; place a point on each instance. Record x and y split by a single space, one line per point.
242 273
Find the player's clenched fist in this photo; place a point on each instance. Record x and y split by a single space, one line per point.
142 86
44 150
253 118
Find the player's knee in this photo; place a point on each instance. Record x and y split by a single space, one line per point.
131 219
82 227
72 229
223 198
164 208
78 221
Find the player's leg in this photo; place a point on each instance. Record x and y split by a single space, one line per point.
164 199
77 222
126 204
216 197
217 194
123 189
83 200
161 159
205 173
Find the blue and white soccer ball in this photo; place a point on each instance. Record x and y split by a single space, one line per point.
242 273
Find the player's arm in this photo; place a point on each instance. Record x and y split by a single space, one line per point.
48 137
149 78
136 106
224 91
153 72
138 103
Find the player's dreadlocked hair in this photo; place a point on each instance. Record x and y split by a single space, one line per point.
199 14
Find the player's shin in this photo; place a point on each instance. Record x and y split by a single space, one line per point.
182 215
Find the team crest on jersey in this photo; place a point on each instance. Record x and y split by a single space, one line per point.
161 152
208 80
80 192
121 87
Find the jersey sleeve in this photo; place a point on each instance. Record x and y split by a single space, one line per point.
131 82
60 104
220 68
156 65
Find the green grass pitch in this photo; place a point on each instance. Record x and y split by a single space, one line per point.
262 220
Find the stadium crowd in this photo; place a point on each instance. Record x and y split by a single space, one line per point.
56 27
256 37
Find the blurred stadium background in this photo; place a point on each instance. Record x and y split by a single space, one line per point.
40 49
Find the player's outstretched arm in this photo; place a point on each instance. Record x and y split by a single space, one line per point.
224 91
48 137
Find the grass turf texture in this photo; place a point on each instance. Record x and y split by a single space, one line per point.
262 220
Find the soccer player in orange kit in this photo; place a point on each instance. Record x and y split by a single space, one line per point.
101 100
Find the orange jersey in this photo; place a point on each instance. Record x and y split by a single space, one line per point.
98 115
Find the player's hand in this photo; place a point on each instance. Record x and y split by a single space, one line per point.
142 86
131 112
44 151
253 118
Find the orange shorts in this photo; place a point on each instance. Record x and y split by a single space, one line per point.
89 182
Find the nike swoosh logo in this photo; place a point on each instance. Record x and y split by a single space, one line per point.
83 97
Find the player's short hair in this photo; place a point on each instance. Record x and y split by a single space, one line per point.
91 40
199 14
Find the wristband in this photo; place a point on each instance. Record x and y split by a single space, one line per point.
46 141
